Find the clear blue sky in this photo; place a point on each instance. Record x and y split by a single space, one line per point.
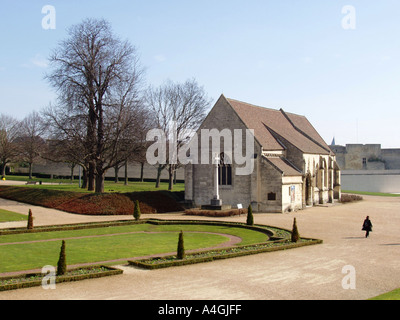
288 54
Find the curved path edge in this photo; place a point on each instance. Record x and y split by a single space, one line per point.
233 240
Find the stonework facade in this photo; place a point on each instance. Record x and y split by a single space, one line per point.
292 166
366 157
368 168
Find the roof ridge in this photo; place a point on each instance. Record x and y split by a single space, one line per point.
253 105
301 131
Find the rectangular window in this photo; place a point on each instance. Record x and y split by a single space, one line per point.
271 196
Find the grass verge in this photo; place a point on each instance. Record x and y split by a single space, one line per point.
8 216
390 296
213 255
379 194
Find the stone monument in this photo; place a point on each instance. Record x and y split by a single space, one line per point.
216 202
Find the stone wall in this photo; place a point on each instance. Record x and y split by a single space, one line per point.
391 158
366 157
62 169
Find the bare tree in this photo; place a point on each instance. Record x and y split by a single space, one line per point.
97 76
9 132
67 142
30 142
180 108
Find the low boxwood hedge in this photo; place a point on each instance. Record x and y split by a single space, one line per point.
227 253
34 280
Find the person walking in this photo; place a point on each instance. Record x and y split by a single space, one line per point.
367 226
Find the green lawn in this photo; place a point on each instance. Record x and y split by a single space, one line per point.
109 186
7 216
393 295
371 193
16 256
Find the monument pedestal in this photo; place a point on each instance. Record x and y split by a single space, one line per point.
216 204
216 208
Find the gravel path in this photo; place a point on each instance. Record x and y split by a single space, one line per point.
314 272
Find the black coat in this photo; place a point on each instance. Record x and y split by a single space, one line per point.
367 226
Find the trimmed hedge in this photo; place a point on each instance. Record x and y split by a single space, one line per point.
35 280
215 213
228 253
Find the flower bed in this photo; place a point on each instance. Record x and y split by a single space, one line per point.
34 280
215 213
94 204
212 255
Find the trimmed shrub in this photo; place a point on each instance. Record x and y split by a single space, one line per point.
136 211
250 219
215 213
62 262
348 198
30 220
181 247
295 232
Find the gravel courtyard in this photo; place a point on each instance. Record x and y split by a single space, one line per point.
306 273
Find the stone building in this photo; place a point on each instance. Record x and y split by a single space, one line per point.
368 168
366 157
292 165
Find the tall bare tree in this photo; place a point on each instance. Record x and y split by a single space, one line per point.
97 77
180 107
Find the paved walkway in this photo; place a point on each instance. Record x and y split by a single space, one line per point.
305 273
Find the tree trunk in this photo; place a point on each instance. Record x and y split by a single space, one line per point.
72 172
91 177
116 170
126 173
142 172
171 170
30 171
100 181
3 169
84 179
100 173
159 170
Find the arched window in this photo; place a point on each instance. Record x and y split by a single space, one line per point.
224 171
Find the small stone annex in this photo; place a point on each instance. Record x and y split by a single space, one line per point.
292 165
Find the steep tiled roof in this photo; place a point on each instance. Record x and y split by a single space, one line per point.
269 124
284 166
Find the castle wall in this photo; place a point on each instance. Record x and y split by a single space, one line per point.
386 181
